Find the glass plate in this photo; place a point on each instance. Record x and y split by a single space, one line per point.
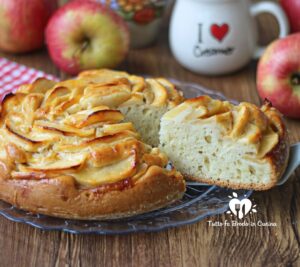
199 202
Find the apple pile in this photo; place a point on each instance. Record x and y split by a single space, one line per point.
82 34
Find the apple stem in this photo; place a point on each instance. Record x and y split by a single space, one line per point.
295 79
81 49
85 44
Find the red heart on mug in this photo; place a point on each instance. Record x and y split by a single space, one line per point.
219 32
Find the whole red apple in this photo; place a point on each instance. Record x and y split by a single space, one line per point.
85 35
22 24
292 9
278 75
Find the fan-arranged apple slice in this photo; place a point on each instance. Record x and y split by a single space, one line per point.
76 116
172 92
40 85
31 141
105 76
160 93
64 129
97 141
101 116
112 94
110 129
56 98
68 163
11 103
108 154
121 170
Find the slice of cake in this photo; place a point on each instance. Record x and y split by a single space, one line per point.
219 143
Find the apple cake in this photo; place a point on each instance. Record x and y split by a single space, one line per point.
215 142
143 101
66 150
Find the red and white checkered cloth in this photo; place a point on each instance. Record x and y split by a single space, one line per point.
12 75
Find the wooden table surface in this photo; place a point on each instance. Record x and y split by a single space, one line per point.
194 245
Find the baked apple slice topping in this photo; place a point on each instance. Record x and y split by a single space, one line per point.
95 95
64 129
40 85
70 163
159 91
120 170
101 116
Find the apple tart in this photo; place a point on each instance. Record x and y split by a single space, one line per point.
66 150
215 142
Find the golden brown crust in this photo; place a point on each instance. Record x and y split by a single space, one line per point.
60 197
279 155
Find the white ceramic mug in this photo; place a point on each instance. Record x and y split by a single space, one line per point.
219 36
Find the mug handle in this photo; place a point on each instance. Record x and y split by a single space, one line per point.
278 13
